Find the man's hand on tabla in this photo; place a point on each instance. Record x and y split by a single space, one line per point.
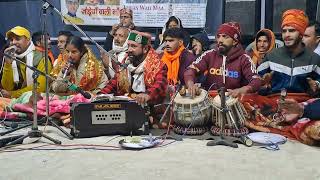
192 89
239 91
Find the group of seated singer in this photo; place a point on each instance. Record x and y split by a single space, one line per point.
130 66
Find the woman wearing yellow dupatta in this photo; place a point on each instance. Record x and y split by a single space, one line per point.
83 69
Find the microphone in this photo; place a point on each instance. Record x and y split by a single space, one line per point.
12 50
283 95
222 93
9 124
67 69
125 64
76 88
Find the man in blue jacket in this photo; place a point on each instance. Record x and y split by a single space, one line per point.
292 67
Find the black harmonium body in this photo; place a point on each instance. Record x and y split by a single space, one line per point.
108 118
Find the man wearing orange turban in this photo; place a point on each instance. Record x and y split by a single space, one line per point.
292 67
296 69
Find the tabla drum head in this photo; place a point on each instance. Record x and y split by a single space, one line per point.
189 100
229 100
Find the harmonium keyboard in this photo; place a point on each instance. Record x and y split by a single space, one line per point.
108 118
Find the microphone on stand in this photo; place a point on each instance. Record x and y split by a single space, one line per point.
222 94
11 51
76 88
72 86
125 64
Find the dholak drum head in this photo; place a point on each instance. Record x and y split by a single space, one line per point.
186 100
192 112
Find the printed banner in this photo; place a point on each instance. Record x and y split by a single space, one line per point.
146 13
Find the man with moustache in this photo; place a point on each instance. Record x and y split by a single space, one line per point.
63 37
175 55
38 41
292 67
228 65
144 79
17 78
59 63
119 50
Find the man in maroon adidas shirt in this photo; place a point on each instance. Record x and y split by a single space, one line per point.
228 65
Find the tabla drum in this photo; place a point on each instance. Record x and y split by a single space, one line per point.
236 116
192 115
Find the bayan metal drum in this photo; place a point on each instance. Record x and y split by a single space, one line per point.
236 116
192 115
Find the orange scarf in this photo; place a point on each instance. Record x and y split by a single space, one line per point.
173 63
50 54
258 56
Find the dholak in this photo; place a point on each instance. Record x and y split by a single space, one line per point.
236 116
192 115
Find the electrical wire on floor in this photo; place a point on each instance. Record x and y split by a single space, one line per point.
159 145
68 147
51 147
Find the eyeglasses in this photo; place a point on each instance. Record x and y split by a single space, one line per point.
124 17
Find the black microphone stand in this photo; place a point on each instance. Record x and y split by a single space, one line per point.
171 136
223 140
46 58
35 100
34 132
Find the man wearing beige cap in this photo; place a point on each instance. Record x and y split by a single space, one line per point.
17 78
126 20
